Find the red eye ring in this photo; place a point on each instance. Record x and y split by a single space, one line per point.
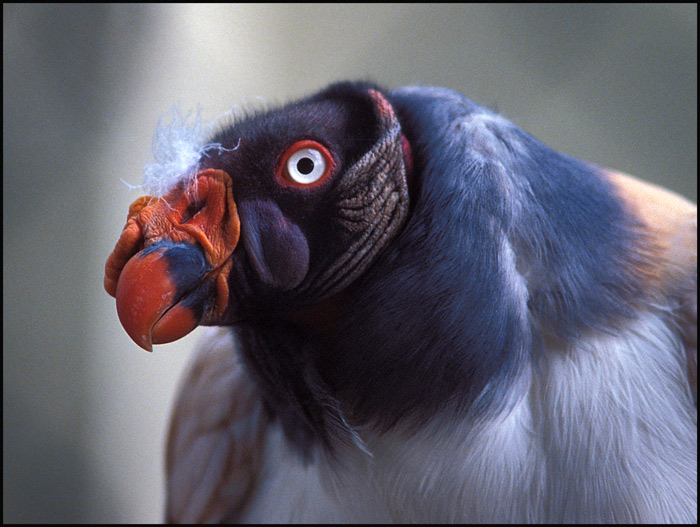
305 164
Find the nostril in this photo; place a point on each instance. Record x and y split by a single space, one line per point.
191 211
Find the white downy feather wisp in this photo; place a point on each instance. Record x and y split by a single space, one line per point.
177 149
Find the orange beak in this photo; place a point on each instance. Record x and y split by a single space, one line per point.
169 270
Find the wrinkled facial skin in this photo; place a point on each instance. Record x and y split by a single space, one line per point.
243 237
172 254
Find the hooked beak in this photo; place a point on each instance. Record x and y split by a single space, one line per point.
169 270
151 293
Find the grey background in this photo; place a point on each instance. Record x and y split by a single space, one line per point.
84 409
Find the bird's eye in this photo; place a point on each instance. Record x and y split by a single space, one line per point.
306 163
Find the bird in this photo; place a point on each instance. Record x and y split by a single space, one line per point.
418 313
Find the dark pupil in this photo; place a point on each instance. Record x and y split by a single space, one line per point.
305 165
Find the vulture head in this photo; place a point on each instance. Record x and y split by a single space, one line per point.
291 209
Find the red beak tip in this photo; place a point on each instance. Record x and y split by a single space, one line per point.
145 343
144 292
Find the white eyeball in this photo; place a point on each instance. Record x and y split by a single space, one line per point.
307 165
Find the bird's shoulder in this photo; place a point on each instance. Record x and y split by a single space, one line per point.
669 222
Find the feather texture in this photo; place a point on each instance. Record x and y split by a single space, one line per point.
216 439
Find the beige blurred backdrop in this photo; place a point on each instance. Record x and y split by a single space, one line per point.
84 409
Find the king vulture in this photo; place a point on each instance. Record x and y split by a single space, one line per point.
423 314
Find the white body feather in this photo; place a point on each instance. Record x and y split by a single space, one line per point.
604 431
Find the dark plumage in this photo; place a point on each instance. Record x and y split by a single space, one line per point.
445 319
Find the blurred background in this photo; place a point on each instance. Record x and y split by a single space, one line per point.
84 410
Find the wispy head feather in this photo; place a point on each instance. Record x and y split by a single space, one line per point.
177 149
